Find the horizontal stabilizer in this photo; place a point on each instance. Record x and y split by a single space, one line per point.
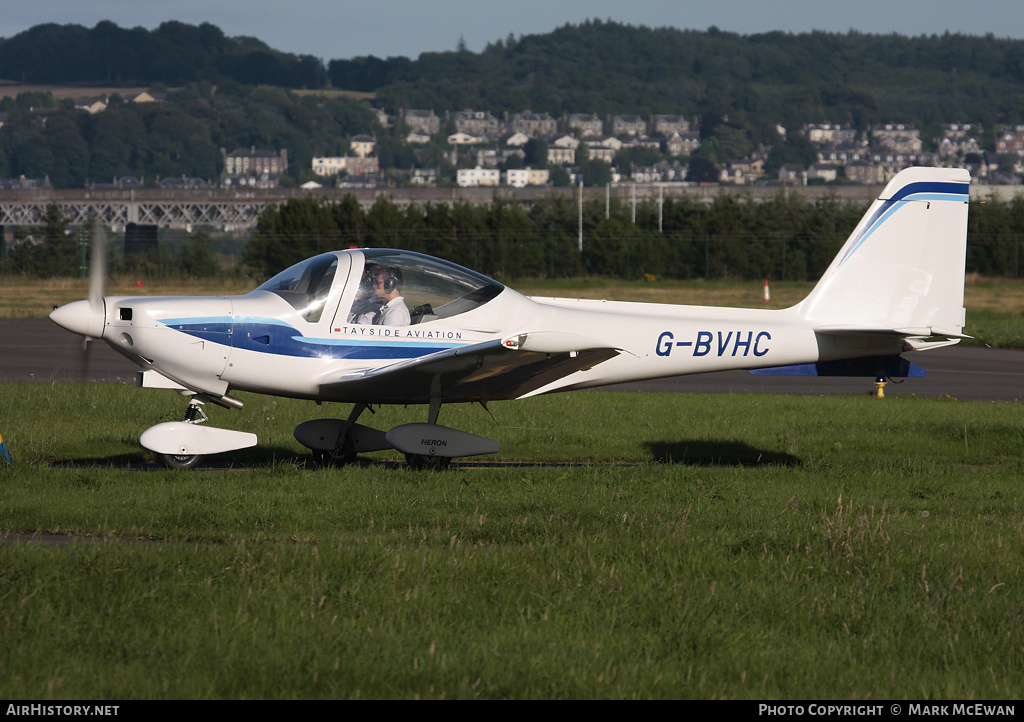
870 367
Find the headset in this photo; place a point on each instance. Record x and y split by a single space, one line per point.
392 279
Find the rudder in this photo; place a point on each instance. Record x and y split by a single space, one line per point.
902 268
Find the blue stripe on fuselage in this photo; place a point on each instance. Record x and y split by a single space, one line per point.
281 339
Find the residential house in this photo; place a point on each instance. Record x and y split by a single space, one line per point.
424 176
493 157
825 172
522 177
586 124
145 97
860 171
91 105
461 138
254 162
518 139
261 181
561 156
533 124
422 121
624 125
471 177
363 146
329 166
416 137
476 122
844 153
897 137
829 134
681 144
646 174
666 125
565 141
745 171
792 174
1010 139
351 164
602 147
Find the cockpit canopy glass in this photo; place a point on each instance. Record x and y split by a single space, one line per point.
306 285
400 288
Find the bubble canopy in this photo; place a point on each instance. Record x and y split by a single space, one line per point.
394 287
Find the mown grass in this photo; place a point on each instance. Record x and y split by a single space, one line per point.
626 545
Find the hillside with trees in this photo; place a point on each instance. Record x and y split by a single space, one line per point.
173 54
182 136
595 67
757 80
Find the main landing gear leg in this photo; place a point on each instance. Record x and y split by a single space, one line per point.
429 462
344 451
194 414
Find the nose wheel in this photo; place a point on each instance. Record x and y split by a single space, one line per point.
194 414
179 461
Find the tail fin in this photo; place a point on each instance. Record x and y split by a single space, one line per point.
902 269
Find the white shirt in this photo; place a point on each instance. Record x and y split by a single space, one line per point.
395 313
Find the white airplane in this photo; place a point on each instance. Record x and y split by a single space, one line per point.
381 326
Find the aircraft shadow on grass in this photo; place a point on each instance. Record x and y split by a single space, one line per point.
703 452
685 452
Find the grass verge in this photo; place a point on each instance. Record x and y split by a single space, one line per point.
627 545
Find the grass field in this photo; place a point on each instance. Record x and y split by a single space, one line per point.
621 545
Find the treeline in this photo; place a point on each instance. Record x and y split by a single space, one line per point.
173 54
785 238
182 136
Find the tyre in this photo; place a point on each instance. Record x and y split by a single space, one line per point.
180 461
428 463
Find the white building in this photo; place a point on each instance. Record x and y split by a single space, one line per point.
522 177
471 177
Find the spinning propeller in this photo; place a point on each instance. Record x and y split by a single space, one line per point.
97 280
87 317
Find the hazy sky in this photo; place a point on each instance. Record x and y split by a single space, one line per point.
333 29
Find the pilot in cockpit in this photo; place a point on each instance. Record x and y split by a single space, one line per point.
387 285
379 300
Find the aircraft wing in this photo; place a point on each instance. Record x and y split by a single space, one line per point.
490 371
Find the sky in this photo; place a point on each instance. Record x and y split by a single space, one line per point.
343 29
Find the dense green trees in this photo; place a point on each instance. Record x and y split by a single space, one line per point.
783 238
174 54
756 80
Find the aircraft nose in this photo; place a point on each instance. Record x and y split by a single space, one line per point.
80 317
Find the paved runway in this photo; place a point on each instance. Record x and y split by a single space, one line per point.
38 350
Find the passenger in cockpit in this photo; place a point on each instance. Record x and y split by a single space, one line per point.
366 307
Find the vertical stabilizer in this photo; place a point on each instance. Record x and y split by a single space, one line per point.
902 269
